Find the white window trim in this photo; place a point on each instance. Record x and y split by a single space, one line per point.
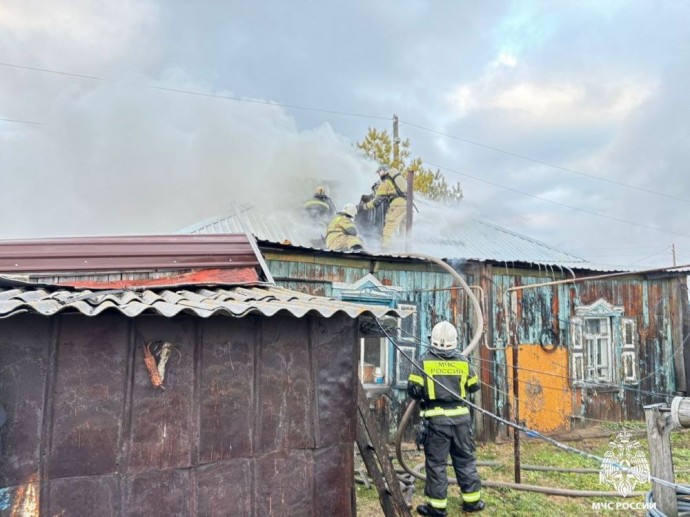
383 343
591 340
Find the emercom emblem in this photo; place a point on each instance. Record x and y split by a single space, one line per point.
625 465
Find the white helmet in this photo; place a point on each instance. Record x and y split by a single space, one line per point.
350 210
444 336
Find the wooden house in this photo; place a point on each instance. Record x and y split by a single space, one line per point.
594 342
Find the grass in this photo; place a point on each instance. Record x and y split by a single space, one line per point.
502 502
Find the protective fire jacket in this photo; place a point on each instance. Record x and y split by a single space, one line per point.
450 369
392 189
320 203
342 233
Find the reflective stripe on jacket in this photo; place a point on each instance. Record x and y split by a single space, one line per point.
453 372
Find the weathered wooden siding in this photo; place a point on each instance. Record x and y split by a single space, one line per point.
424 285
257 417
548 401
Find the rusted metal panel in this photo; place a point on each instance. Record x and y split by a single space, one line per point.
226 401
285 483
25 344
187 449
161 419
285 387
88 396
225 488
93 495
158 492
332 466
335 380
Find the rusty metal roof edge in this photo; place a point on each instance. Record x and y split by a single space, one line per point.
260 257
140 252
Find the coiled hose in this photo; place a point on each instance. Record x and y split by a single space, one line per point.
683 505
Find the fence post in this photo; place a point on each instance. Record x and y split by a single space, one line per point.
659 428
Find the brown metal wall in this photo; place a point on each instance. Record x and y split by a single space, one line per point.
257 417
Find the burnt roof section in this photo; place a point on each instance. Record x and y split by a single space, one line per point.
78 256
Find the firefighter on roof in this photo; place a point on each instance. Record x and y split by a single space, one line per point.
391 190
320 207
446 425
341 234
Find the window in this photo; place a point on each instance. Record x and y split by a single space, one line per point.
603 345
407 342
373 360
598 349
378 356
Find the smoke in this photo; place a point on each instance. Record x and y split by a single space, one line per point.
120 158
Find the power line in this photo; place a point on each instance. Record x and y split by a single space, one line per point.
565 377
571 207
203 94
377 117
541 162
17 121
528 431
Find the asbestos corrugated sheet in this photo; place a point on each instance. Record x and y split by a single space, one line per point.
469 240
236 302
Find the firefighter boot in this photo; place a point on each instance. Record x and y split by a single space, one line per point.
424 509
473 507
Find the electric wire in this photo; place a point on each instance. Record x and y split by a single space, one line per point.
17 121
547 164
532 433
378 117
555 375
202 94
557 203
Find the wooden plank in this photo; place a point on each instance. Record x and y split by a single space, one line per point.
661 462
397 505
369 458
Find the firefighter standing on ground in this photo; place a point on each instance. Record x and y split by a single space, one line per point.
341 234
392 190
447 421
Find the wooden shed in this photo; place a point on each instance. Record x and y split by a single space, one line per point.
256 412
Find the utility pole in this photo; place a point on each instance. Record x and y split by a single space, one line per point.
396 141
673 252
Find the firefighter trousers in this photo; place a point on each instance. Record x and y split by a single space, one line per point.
457 441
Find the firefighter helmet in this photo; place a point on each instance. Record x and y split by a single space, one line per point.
350 209
444 336
320 190
383 169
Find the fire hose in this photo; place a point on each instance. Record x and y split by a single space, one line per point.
479 327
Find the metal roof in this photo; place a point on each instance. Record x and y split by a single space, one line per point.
236 302
468 240
141 252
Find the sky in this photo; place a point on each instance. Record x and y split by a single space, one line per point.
565 121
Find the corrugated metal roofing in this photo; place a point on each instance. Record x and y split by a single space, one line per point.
236 302
469 240
128 253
